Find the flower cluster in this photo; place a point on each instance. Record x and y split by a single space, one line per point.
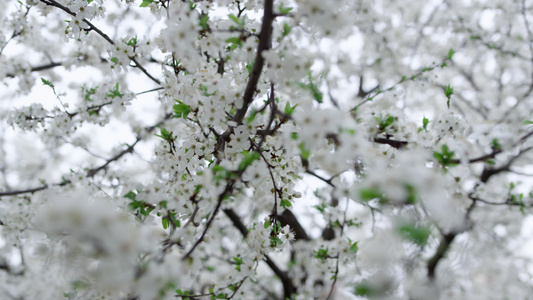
259 149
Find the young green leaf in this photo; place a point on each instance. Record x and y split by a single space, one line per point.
145 3
165 222
166 135
181 110
445 157
249 158
285 203
450 54
284 10
448 92
251 116
416 234
317 94
354 247
204 18
322 254
235 19
384 123
367 194
47 82
114 92
235 42
286 30
289 109
304 152
425 123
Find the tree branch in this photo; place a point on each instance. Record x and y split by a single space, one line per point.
441 251
392 143
33 190
102 34
221 197
288 286
265 41
91 172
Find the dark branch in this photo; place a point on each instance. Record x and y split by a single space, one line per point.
92 172
265 41
441 251
288 286
288 218
13 193
392 143
221 197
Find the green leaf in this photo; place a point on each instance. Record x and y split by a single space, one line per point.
289 109
166 135
495 144
285 203
321 208
235 19
366 290
145 3
132 42
286 30
47 82
284 10
411 194
416 234
181 109
527 122
130 195
445 157
267 224
204 90
354 248
251 117
248 159
204 18
384 123
368 194
425 123
238 262
322 254
304 152
249 67
294 135
115 93
114 60
88 93
220 173
317 94
165 223
313 88
235 41
450 54
448 92
138 206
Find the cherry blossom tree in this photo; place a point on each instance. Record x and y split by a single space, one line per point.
266 149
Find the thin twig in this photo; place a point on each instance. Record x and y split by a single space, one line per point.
102 34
